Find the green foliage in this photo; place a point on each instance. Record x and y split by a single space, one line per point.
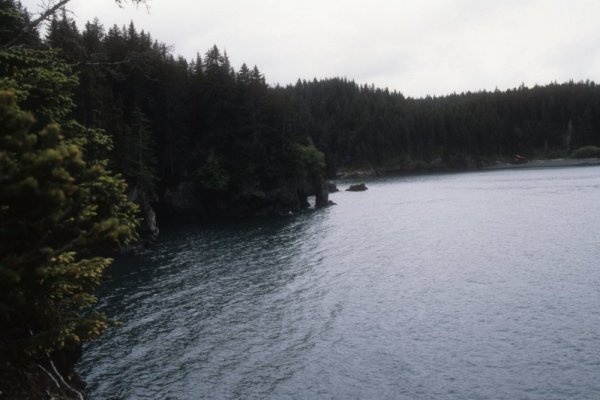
41 82
586 152
113 98
135 153
56 211
212 175
13 20
58 207
307 158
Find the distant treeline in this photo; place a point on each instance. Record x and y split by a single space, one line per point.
364 126
174 120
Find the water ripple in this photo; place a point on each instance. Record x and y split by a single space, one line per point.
479 286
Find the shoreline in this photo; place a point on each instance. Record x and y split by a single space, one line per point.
533 164
554 163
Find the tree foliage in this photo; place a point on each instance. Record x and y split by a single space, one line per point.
586 152
55 209
59 208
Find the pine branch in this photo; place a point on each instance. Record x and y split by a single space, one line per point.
47 14
77 392
33 24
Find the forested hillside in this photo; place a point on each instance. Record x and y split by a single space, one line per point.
363 126
200 137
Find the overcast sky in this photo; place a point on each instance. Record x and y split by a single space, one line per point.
417 47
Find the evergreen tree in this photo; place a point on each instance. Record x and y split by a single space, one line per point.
56 211
59 208
14 21
63 35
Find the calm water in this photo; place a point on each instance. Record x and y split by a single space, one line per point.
466 286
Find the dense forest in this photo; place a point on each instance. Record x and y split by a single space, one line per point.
200 138
197 137
189 115
95 119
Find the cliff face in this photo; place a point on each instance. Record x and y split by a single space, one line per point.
148 226
188 200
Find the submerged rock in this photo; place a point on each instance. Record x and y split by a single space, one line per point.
361 187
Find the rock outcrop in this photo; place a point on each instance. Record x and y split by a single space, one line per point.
148 226
361 187
290 196
189 201
332 188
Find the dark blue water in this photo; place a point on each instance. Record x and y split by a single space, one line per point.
466 286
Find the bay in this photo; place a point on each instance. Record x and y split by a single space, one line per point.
480 285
